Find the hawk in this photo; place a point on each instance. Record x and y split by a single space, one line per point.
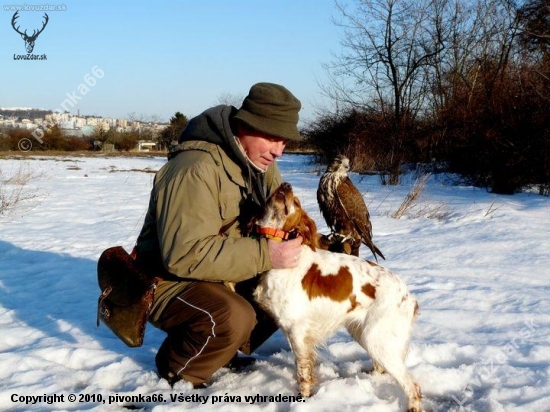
344 208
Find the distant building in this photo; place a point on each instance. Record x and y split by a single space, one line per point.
80 122
29 126
67 125
146 146
84 126
87 130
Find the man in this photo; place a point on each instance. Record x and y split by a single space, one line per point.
221 173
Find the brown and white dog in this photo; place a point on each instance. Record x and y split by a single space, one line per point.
328 290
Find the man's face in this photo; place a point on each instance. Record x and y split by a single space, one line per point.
261 149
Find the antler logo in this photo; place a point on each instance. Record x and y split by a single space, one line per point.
29 40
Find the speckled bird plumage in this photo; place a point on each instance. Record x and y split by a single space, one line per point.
343 206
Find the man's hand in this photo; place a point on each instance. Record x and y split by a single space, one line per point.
285 255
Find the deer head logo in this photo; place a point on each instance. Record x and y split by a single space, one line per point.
29 40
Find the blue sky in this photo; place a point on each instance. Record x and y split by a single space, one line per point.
162 57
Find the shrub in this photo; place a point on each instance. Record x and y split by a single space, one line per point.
14 189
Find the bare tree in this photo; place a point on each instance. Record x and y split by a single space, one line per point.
490 93
480 32
230 99
466 80
386 44
102 134
534 18
386 47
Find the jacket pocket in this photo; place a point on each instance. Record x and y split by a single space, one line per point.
229 206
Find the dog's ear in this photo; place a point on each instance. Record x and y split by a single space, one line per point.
308 229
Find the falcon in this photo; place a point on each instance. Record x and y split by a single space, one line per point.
344 209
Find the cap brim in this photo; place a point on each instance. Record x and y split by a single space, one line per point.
269 126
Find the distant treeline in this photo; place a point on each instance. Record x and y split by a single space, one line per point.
25 113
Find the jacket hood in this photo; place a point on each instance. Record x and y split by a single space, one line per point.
214 125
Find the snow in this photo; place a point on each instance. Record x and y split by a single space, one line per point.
479 268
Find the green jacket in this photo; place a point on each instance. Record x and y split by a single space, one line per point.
191 230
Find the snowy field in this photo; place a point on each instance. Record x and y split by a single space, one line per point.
478 263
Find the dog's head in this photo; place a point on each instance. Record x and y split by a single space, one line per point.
284 212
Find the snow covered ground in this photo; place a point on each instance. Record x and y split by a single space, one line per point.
479 266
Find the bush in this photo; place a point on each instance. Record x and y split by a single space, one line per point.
53 140
126 141
13 138
14 190
373 142
356 134
499 134
76 144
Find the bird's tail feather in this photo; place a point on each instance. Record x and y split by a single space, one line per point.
375 251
